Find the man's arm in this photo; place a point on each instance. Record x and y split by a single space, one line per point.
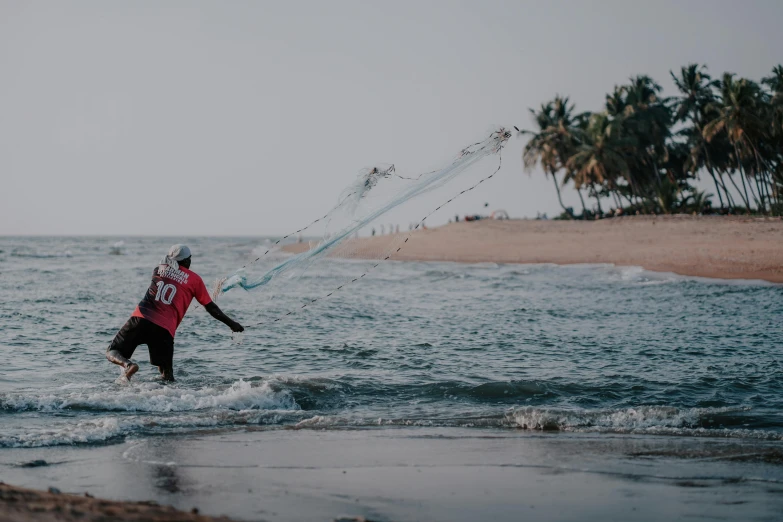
218 314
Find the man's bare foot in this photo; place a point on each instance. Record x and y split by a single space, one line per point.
130 369
166 373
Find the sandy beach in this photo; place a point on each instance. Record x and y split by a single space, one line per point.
411 474
704 246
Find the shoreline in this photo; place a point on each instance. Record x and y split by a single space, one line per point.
717 247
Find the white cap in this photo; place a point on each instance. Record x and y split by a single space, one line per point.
176 253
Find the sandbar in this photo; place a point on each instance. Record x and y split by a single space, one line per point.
725 247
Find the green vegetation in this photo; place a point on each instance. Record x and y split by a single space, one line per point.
643 152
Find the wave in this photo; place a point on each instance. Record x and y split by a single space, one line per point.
145 409
95 413
322 422
644 277
153 397
321 394
324 394
434 276
643 420
40 255
103 430
647 420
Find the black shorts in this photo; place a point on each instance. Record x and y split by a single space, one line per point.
141 331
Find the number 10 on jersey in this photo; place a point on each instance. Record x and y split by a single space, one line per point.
166 292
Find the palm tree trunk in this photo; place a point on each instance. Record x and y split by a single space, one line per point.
760 190
717 187
761 184
657 172
742 177
597 200
766 182
751 176
774 183
745 188
617 200
769 186
584 208
632 184
559 198
739 191
696 123
729 200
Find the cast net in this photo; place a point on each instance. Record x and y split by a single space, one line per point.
358 227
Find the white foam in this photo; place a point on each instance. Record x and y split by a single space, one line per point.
650 420
651 277
94 430
318 421
101 429
153 397
637 274
643 276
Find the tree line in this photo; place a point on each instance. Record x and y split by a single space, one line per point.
643 152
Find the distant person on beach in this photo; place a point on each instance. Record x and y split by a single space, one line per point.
156 318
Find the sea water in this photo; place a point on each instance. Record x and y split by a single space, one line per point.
584 348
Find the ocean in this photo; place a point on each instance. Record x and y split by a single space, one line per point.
591 349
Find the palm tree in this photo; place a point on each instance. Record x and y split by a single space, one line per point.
649 120
696 89
775 85
630 153
737 114
775 150
615 102
551 144
599 157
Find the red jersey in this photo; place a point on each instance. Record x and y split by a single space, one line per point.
169 297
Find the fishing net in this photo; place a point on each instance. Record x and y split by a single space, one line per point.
362 210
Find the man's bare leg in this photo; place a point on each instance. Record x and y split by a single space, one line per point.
116 358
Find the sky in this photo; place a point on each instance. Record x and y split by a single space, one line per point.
249 118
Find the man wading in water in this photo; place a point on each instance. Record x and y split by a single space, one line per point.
159 313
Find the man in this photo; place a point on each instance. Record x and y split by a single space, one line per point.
155 320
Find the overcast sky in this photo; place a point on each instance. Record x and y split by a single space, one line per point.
237 118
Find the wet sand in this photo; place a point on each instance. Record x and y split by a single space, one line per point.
29 505
725 247
436 474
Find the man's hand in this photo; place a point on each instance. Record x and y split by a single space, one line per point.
236 327
218 314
